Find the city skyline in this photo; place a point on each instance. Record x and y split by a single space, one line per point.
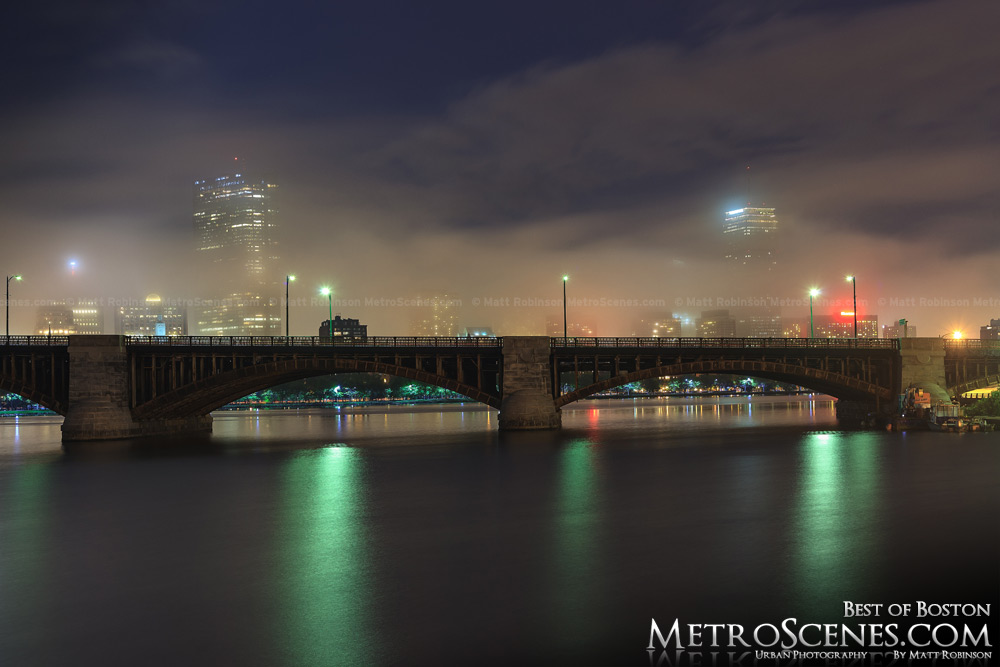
611 155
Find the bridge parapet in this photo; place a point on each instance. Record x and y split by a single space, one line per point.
34 341
972 346
435 342
729 343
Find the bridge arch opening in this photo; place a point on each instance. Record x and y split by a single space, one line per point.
347 388
29 397
201 398
695 384
825 382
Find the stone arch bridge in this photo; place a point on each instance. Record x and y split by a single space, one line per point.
122 387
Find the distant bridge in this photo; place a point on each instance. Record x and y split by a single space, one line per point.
116 387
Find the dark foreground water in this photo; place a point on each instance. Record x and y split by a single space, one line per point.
422 536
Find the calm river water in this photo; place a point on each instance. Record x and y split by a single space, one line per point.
423 536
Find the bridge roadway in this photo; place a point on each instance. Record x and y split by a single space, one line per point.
122 387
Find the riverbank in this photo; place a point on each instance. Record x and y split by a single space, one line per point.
368 402
373 402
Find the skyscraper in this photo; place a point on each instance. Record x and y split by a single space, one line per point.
235 222
750 234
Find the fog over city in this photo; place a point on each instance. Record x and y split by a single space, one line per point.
447 149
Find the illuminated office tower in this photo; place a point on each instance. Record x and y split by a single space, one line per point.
153 318
750 234
235 222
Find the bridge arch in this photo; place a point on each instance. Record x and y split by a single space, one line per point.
834 384
8 386
200 398
978 383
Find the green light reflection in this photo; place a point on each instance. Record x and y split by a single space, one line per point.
575 547
326 590
25 522
836 528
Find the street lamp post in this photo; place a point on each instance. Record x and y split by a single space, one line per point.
565 326
854 283
813 292
328 292
288 279
7 302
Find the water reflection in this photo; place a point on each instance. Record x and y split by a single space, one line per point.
695 413
326 588
25 535
576 560
835 525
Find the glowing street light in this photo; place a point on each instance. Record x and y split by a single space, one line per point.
565 327
813 292
854 282
288 279
9 278
328 292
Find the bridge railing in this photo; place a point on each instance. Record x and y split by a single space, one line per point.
781 343
33 341
316 341
990 347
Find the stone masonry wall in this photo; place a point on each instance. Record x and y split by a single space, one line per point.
527 385
99 395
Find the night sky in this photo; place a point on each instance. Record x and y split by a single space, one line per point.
485 149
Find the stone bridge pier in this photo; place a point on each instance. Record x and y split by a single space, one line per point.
527 385
923 366
99 395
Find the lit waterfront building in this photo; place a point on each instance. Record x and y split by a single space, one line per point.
55 319
903 329
763 322
750 234
842 326
80 317
662 326
88 317
989 331
716 324
344 328
235 221
794 328
153 318
438 316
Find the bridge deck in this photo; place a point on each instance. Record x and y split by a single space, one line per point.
497 342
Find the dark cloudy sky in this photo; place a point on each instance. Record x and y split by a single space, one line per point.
485 149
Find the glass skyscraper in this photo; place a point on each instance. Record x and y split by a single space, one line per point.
235 222
750 236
